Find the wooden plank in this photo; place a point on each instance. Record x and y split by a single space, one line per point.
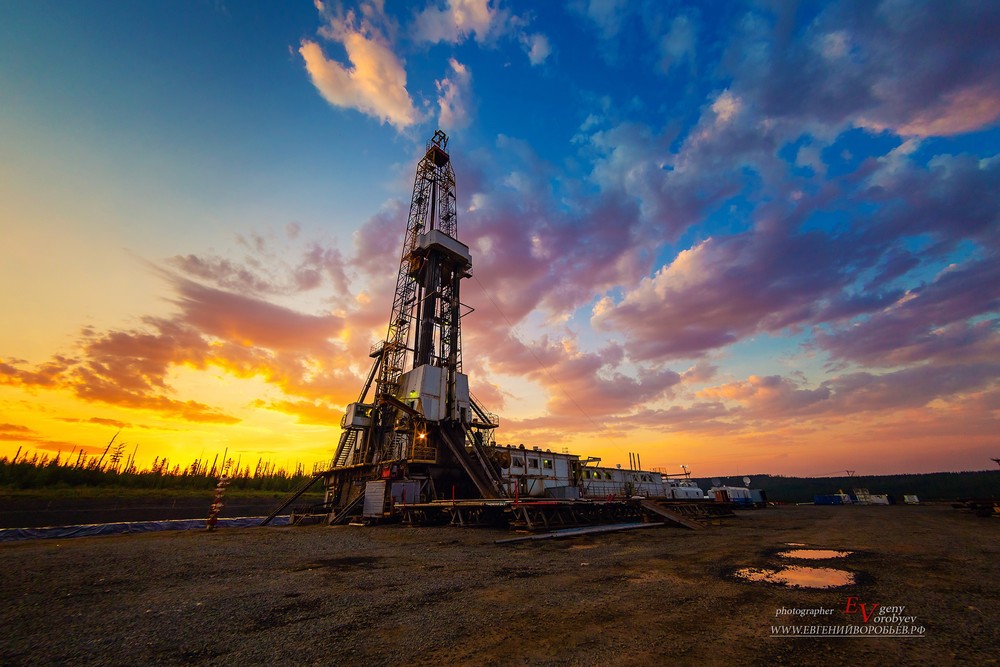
305 486
668 515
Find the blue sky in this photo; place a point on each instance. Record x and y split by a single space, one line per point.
756 232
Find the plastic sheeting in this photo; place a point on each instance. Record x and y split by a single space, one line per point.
96 529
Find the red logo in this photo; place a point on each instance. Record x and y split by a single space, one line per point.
867 610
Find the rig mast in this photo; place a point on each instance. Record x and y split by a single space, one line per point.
418 434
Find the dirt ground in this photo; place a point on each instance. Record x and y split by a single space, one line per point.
436 596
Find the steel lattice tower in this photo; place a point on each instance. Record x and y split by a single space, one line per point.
432 206
421 432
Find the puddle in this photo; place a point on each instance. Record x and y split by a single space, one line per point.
796 576
814 554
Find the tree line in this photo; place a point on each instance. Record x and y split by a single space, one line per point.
113 468
928 486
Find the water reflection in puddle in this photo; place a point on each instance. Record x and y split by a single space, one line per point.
814 554
797 576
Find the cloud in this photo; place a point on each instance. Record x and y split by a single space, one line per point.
915 387
770 396
954 198
571 257
252 322
458 20
306 412
678 45
19 433
606 15
537 47
725 289
700 417
700 372
375 81
46 375
884 66
936 321
725 153
102 421
272 267
772 399
302 355
454 97
725 106
786 270
585 384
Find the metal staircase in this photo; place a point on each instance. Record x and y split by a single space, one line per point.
345 449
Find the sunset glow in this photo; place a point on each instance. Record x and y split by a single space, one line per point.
746 239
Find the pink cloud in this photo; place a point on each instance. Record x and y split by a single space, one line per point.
265 269
935 321
700 417
774 399
252 322
723 290
878 65
580 383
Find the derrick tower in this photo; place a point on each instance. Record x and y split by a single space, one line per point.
416 434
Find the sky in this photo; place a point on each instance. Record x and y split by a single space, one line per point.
755 237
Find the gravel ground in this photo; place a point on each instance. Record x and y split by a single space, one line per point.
25 510
433 596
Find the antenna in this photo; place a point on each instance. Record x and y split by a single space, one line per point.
746 481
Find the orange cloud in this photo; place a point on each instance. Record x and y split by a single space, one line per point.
19 433
241 335
375 82
306 412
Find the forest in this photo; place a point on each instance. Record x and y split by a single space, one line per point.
114 470
927 486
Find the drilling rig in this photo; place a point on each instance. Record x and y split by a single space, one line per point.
416 433
419 446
